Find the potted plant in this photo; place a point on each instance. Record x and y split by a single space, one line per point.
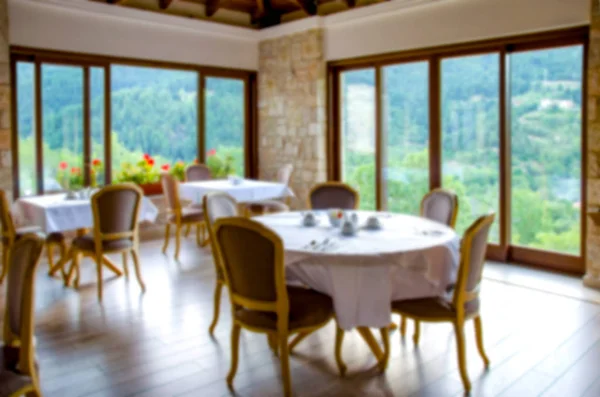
219 167
70 179
142 173
96 172
177 170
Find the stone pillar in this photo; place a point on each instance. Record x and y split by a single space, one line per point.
592 276
291 108
5 131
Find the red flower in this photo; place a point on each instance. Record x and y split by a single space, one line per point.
165 167
212 152
340 214
63 165
147 156
150 162
75 170
96 162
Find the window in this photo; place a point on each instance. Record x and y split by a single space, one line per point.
470 90
95 117
546 93
358 133
405 135
498 122
225 120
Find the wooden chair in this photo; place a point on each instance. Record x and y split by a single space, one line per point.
180 216
12 234
19 373
252 257
328 195
438 205
464 304
116 212
217 205
197 172
284 175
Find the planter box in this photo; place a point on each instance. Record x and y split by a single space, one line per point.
152 189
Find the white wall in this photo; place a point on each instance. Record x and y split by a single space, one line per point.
352 34
112 30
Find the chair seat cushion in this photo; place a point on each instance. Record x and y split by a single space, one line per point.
307 308
432 308
189 215
86 243
267 206
55 237
12 382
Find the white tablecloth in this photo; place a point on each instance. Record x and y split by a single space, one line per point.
54 213
247 190
409 258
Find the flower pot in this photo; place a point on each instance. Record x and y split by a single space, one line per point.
151 189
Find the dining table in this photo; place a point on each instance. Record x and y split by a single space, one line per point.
59 213
242 190
405 257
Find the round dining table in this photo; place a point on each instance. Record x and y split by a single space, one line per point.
408 257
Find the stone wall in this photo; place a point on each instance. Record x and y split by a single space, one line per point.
5 131
592 277
291 108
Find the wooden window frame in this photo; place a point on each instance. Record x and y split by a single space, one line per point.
503 251
38 57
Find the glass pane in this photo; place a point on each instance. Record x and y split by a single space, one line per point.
546 92
97 125
154 112
470 136
225 125
406 135
26 128
62 126
358 133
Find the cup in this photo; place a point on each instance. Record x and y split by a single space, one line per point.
336 216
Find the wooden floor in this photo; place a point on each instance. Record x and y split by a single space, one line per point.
157 344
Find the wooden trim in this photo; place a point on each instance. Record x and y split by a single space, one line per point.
504 130
584 156
80 58
495 252
201 109
39 152
248 120
435 124
87 139
107 125
536 40
14 123
255 133
380 183
553 260
334 132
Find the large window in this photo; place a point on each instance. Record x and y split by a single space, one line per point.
498 122
81 120
545 115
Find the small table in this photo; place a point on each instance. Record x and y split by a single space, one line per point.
246 190
408 258
56 213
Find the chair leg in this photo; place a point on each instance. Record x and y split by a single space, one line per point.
187 230
235 344
50 253
417 333
5 264
75 268
339 340
125 267
167 235
479 338
402 326
299 338
285 364
385 337
138 272
272 340
217 306
99 266
177 240
461 351
199 234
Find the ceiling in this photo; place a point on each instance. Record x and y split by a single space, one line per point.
255 14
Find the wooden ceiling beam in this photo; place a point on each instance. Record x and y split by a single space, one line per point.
164 4
114 1
309 6
350 3
211 7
